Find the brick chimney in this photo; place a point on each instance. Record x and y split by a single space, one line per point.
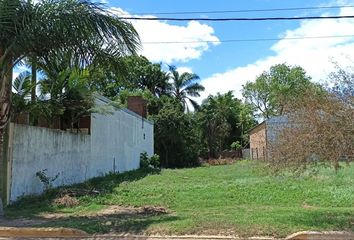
138 105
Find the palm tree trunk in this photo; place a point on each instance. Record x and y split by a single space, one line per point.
5 105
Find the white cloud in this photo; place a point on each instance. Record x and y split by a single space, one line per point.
15 75
313 55
162 31
184 69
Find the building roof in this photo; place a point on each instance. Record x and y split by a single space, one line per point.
252 130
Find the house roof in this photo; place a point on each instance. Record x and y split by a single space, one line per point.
273 120
256 127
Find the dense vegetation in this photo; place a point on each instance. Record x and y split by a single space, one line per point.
239 199
98 54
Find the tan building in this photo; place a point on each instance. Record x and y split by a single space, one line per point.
263 135
258 142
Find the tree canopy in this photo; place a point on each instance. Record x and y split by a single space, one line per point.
184 86
35 29
273 90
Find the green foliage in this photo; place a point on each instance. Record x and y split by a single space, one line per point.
184 86
21 90
155 161
149 162
144 160
135 74
222 119
176 135
236 146
39 29
273 90
45 179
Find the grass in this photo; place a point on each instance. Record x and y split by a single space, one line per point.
240 199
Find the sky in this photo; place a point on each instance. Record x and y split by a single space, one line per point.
225 66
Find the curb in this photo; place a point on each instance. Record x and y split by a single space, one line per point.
171 237
14 232
329 235
41 232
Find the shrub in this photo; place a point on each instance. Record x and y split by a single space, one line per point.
144 160
155 161
149 162
236 146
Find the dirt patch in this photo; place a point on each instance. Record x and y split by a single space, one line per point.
107 212
115 209
306 206
152 210
66 201
112 210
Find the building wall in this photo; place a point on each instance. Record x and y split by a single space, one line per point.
265 136
275 126
116 141
258 142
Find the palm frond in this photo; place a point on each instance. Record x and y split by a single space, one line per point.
194 89
22 83
188 78
195 105
83 27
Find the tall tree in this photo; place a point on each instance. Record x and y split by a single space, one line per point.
135 73
176 135
184 86
223 119
37 28
273 90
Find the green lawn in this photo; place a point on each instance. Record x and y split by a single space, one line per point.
240 199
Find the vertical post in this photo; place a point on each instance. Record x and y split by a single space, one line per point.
3 166
264 154
114 164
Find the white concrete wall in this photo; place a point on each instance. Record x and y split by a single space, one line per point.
119 137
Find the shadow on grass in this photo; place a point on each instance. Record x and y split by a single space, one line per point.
117 223
342 220
87 192
132 223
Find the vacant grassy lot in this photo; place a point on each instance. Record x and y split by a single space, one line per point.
237 199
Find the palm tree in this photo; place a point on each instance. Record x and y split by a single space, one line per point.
184 86
35 29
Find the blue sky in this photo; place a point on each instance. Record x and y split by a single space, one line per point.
227 55
227 66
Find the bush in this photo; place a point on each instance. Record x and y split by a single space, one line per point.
155 161
149 162
236 146
176 136
144 160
